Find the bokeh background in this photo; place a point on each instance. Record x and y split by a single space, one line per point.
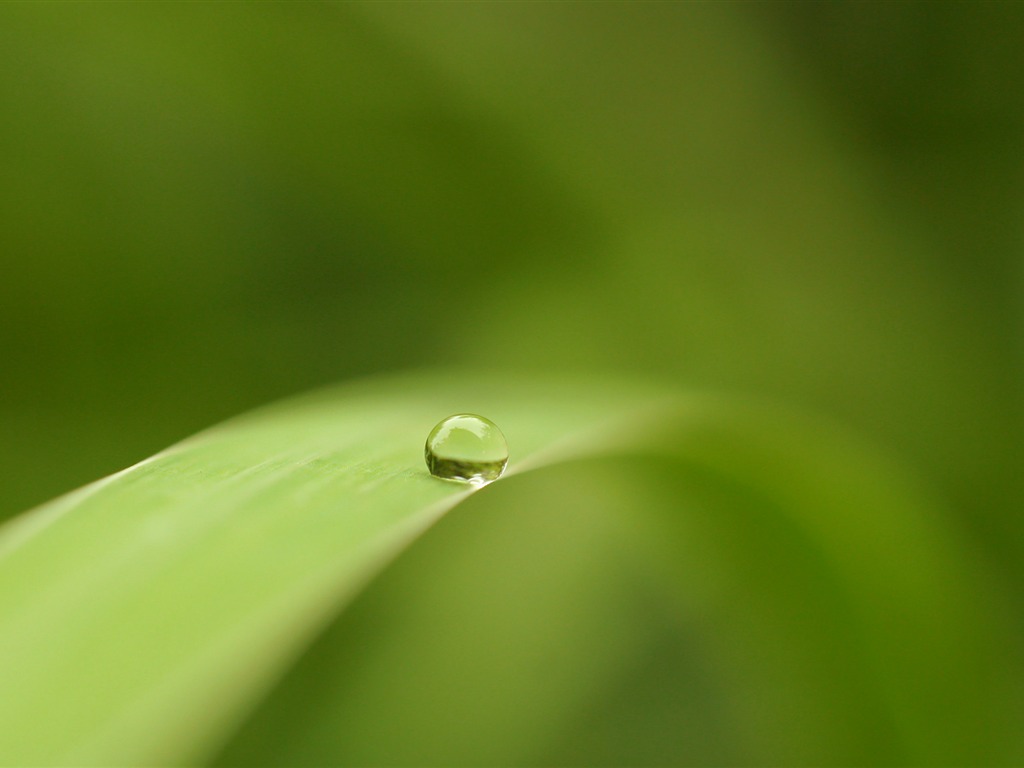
204 207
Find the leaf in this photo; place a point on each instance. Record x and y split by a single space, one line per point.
138 615
143 617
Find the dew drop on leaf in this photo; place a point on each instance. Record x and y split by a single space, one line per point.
468 448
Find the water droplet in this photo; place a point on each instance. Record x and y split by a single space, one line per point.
466 447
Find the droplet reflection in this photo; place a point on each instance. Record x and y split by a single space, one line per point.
466 447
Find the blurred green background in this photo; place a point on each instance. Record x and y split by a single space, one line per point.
207 206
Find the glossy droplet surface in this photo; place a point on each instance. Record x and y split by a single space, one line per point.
466 447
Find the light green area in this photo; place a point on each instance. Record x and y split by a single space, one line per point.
140 614
143 617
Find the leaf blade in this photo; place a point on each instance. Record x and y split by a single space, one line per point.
127 608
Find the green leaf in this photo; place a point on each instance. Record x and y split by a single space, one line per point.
144 617
141 613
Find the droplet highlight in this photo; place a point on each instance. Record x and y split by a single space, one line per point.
466 447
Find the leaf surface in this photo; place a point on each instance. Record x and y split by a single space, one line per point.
143 617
